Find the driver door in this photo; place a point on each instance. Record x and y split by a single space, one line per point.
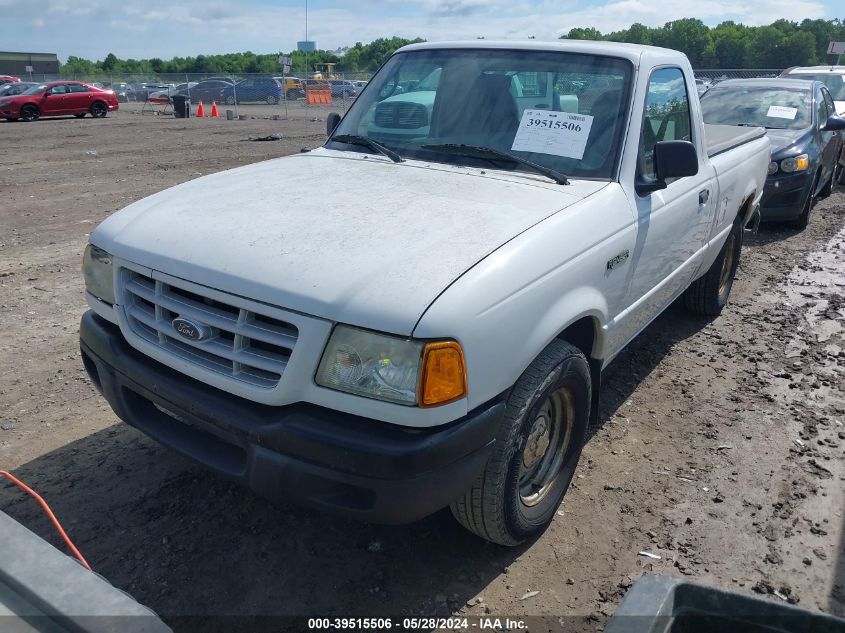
56 101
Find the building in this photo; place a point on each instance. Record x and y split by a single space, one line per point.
18 63
306 46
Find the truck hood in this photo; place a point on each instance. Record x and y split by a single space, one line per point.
346 236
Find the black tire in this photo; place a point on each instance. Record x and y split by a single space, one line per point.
505 505
98 110
839 174
271 100
30 113
803 219
708 295
230 100
80 115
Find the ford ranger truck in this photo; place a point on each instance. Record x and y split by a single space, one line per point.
431 329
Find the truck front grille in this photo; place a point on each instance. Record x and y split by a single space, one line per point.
242 344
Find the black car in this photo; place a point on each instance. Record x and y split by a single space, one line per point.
10 90
208 90
805 133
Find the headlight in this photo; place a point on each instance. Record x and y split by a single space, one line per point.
97 270
773 167
797 163
399 370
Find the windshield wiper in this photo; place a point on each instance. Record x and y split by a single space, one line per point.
459 148
354 139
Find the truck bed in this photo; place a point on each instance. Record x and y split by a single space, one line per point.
721 138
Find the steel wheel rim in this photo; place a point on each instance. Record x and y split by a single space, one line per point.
727 264
546 447
29 114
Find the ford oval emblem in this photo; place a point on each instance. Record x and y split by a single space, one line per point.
191 330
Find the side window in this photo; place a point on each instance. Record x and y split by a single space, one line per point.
667 116
831 107
58 90
78 88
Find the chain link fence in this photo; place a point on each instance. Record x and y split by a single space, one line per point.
234 94
275 96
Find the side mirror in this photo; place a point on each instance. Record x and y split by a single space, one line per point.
331 122
672 159
833 124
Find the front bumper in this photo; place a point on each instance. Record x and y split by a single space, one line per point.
784 196
369 470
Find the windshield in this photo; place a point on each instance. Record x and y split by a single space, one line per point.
563 111
769 107
35 89
834 82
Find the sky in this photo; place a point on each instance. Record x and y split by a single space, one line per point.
154 28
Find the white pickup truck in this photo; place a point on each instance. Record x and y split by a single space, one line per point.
417 314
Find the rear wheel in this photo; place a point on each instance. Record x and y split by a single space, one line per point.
30 113
803 220
230 100
707 295
98 110
537 448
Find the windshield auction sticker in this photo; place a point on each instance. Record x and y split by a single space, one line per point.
556 133
782 112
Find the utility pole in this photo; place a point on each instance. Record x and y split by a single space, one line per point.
306 39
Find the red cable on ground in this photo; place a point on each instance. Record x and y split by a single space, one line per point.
50 514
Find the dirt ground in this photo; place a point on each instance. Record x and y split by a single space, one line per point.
720 449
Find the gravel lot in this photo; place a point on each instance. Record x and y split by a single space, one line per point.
721 446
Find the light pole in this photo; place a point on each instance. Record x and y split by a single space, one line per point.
306 39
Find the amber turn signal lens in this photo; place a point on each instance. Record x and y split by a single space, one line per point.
443 377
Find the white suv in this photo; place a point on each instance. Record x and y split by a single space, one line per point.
832 76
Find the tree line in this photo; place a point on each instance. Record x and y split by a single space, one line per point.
730 45
727 45
361 57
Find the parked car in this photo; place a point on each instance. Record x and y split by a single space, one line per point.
702 85
293 87
438 338
208 90
173 90
142 91
121 90
254 89
805 132
343 88
8 90
58 98
831 76
9 79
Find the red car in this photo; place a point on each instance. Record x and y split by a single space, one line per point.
58 98
8 79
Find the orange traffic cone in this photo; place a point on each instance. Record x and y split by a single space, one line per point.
200 110
214 114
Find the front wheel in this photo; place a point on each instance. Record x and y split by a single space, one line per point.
230 100
30 113
707 295
98 110
271 100
537 448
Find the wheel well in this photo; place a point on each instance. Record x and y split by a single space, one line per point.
582 334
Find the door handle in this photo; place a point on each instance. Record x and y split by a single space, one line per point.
703 196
